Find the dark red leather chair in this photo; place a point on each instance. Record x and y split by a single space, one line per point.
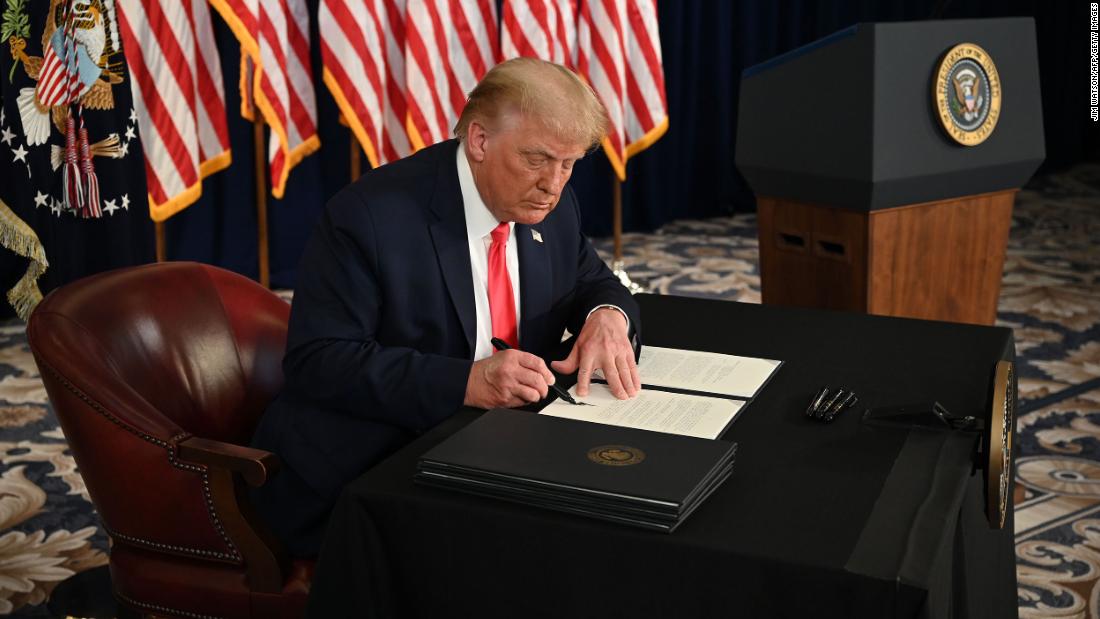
158 375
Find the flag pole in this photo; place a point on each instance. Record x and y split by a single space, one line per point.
617 218
161 253
261 200
617 226
355 157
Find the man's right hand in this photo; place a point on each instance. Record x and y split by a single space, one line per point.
507 379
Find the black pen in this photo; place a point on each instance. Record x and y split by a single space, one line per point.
500 344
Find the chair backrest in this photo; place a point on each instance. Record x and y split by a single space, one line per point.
201 345
138 359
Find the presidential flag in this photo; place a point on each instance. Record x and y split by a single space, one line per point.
72 199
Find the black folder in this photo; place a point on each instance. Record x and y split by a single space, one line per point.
648 479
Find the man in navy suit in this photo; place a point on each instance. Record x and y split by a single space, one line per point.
413 269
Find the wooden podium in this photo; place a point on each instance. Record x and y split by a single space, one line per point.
864 201
939 260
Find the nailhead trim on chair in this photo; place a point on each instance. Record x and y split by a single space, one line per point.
137 541
234 555
164 609
203 470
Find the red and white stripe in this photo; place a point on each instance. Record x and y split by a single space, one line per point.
619 53
363 53
176 80
545 29
58 82
449 46
275 36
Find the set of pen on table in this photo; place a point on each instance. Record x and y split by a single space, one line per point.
827 403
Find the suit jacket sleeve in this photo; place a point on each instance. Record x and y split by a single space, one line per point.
597 285
334 358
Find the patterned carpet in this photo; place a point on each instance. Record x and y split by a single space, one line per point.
1051 297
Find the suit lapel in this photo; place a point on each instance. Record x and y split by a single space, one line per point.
452 247
535 282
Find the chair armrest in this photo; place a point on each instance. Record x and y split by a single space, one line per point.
254 465
264 558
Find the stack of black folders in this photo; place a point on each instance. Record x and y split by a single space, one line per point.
634 477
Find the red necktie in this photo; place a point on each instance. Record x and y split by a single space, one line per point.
502 305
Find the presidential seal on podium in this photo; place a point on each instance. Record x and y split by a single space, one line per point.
967 94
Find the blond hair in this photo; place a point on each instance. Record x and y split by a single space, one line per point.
547 93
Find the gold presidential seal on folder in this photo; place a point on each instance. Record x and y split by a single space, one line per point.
616 455
1001 423
967 94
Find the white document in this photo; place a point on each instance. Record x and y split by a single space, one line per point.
659 411
693 370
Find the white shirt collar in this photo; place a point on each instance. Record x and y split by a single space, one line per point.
480 221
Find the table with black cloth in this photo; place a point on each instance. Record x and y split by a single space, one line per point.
817 520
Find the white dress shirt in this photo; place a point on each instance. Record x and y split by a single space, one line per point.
479 226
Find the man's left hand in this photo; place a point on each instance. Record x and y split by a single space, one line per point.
603 343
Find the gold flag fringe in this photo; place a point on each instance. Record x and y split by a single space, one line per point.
17 236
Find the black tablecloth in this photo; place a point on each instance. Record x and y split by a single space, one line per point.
840 520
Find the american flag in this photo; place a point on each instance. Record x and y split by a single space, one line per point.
449 46
545 29
363 52
178 96
619 53
274 37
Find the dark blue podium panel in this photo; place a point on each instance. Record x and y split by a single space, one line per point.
850 120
